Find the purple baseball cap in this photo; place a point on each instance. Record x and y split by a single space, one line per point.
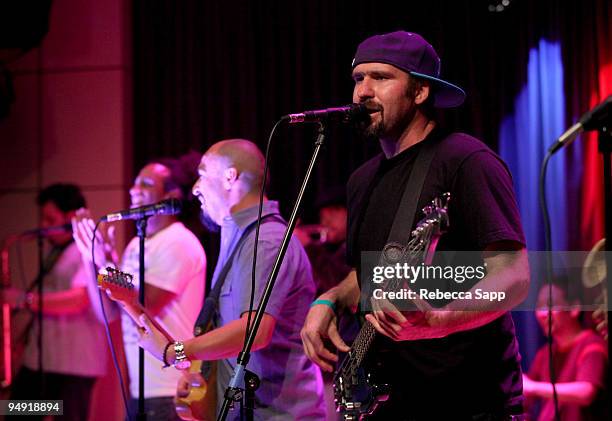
411 53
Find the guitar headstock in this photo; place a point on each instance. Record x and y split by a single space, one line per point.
435 222
432 226
118 285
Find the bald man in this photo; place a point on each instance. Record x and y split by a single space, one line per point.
175 268
231 177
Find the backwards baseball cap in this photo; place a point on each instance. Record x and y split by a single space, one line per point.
411 53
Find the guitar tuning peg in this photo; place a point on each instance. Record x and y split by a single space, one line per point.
446 197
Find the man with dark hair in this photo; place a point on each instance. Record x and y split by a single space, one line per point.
74 351
67 197
175 265
430 356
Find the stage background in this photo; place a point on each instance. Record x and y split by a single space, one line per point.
118 83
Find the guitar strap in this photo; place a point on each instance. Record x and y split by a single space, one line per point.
211 302
210 306
49 262
401 229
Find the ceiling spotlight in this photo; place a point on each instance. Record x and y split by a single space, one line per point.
498 6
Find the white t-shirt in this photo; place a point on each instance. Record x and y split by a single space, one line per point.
175 262
73 344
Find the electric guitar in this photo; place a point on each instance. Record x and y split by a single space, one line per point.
197 402
357 391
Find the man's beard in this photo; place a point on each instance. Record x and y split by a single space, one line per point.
367 130
381 129
374 130
364 126
208 223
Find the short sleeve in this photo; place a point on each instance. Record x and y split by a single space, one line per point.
592 363
172 265
294 275
485 199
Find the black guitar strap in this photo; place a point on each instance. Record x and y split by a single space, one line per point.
211 302
210 306
401 229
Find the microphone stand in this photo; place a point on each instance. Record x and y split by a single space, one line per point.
605 148
141 232
234 391
39 313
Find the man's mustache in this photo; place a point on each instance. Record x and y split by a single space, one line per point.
372 106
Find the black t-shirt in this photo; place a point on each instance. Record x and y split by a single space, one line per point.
466 372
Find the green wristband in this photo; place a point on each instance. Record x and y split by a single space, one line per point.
327 303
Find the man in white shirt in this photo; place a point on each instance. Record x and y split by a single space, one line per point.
175 267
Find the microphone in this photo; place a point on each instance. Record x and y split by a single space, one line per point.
591 120
165 207
345 114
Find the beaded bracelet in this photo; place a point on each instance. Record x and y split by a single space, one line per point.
165 355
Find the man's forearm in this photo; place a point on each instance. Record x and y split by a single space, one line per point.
581 393
227 341
507 273
345 294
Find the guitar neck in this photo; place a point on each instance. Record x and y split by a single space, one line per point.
135 309
359 349
361 345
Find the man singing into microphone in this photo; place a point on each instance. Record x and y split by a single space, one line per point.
427 356
175 267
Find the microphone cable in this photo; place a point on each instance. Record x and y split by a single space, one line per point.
549 274
259 216
107 325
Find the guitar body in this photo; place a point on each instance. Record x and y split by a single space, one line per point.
199 401
362 396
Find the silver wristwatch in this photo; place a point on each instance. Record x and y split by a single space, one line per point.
181 362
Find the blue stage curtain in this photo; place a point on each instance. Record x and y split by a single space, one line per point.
525 136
